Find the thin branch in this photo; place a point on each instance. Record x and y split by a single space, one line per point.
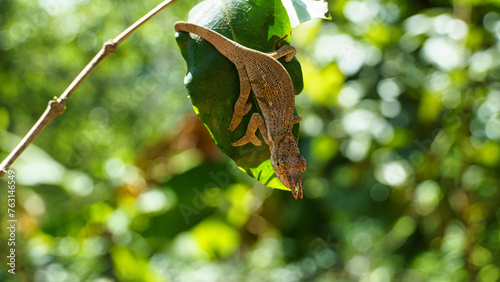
58 105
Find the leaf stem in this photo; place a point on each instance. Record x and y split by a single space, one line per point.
58 105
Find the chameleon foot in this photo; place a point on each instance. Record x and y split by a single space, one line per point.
286 51
245 139
256 122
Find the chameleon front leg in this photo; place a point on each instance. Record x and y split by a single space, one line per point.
286 51
256 122
241 107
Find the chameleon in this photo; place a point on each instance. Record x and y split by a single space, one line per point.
274 92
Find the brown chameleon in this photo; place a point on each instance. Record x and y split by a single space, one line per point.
273 90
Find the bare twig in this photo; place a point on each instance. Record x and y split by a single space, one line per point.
58 105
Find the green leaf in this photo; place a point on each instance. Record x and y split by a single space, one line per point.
212 80
300 11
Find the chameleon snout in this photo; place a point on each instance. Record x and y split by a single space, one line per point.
295 183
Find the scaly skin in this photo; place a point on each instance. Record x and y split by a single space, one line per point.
273 89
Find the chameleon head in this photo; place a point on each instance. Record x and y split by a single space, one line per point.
288 164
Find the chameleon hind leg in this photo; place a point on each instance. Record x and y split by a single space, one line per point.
242 106
256 123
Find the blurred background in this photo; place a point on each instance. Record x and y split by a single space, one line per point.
401 133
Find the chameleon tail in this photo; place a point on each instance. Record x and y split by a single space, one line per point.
223 44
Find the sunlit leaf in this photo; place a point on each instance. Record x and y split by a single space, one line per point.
300 11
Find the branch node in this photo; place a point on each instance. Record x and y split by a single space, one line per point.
57 106
110 46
